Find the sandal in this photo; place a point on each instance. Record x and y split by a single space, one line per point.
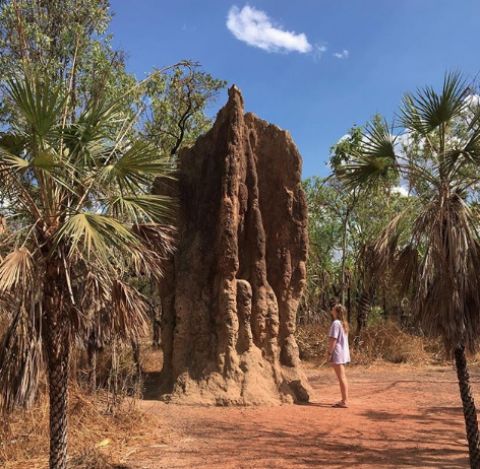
340 405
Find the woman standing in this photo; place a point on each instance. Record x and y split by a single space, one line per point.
338 350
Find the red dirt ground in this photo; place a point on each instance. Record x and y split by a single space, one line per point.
399 417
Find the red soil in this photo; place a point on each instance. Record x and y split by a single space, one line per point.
399 416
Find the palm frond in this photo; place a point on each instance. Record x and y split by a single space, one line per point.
388 243
85 138
365 172
16 270
375 159
146 208
378 141
446 285
158 246
464 149
11 169
12 162
136 167
38 101
426 110
158 237
128 312
14 143
21 362
95 234
472 145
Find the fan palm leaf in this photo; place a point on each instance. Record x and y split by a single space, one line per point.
427 110
16 270
21 359
95 234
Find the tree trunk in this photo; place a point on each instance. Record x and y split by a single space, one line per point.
385 306
469 410
157 325
57 341
136 356
58 389
363 309
344 256
92 361
349 304
156 334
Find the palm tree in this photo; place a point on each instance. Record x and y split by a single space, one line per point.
74 190
434 245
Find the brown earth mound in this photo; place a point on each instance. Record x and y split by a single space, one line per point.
232 293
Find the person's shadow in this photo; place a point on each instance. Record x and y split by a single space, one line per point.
314 404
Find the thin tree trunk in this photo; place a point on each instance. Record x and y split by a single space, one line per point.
349 211
363 309
349 304
157 324
385 306
92 361
56 333
156 334
58 389
344 255
469 410
136 356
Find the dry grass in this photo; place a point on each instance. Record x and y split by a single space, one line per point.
312 341
382 341
388 342
151 359
97 439
101 439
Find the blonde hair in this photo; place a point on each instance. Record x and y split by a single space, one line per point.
341 313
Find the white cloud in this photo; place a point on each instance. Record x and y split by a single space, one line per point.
343 137
400 190
342 55
256 29
318 51
472 100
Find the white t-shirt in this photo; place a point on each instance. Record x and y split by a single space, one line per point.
341 352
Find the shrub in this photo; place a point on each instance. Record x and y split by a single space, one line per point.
99 439
379 341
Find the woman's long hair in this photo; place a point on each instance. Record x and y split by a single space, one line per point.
341 313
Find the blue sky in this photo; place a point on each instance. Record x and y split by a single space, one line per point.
281 55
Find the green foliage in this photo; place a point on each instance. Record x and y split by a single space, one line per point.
343 151
67 42
433 245
345 219
324 207
365 159
175 115
64 40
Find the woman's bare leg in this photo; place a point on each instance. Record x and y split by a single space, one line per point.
342 379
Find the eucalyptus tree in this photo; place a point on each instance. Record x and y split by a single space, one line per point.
175 115
66 40
433 245
343 225
341 153
69 41
363 213
80 218
324 231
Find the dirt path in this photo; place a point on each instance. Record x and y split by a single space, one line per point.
399 417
